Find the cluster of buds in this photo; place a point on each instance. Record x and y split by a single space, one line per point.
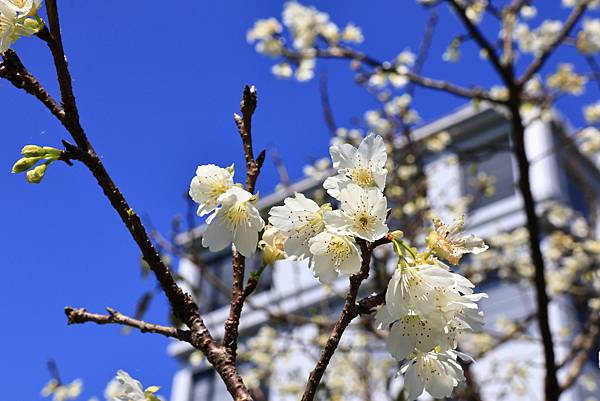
30 162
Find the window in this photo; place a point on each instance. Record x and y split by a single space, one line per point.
580 198
487 173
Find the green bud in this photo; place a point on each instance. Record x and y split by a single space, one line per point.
52 153
33 151
34 176
24 164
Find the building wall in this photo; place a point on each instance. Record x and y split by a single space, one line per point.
295 289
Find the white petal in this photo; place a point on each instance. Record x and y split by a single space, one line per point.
413 383
217 235
372 149
351 265
398 344
323 269
343 156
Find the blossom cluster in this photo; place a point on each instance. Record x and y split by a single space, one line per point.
427 307
538 40
307 26
325 237
18 18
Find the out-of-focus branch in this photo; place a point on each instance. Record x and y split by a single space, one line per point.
540 60
551 386
582 345
351 54
481 40
349 312
326 105
80 315
595 68
509 17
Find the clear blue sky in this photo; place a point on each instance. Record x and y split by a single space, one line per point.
156 91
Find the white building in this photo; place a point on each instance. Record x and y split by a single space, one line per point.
559 173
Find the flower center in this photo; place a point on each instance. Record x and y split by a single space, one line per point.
218 188
236 214
362 176
338 250
18 3
363 220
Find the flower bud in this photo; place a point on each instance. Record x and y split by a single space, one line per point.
24 164
33 151
34 176
51 152
33 25
395 235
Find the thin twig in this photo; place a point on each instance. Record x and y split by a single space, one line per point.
349 312
253 166
81 315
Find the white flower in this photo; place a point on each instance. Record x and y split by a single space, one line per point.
412 289
588 39
363 166
63 392
406 58
591 113
352 33
306 70
15 21
448 242
363 213
437 373
237 221
209 183
299 219
306 24
282 70
528 12
333 255
410 333
538 40
266 33
565 79
124 388
263 29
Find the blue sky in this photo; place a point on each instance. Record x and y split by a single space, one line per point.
156 92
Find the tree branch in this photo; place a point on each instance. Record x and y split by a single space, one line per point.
584 343
80 316
181 303
552 390
253 166
13 70
540 60
350 54
349 312
481 40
